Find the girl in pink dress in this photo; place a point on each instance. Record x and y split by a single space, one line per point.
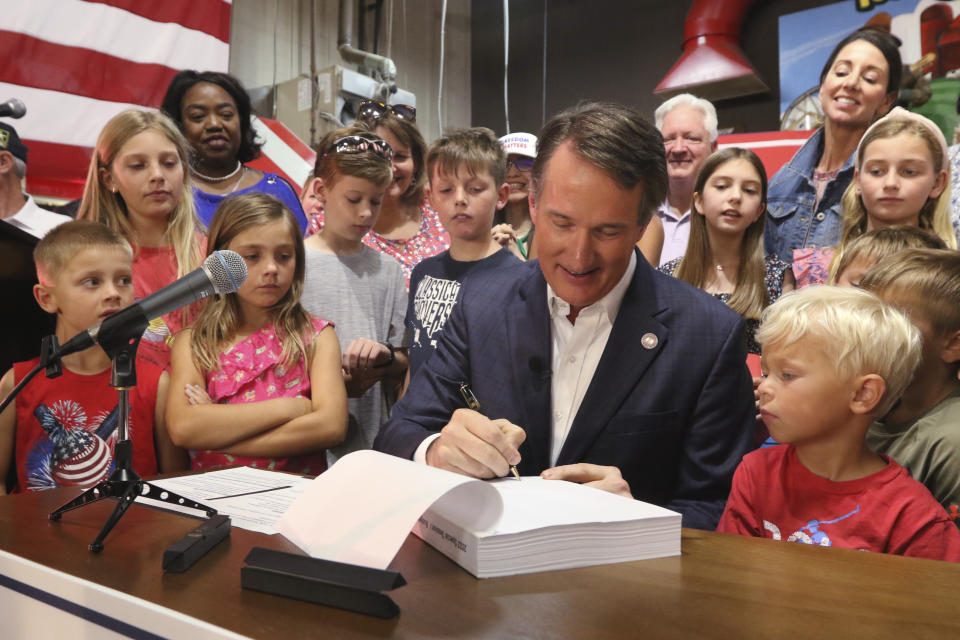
256 381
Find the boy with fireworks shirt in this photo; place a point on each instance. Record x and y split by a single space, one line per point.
62 432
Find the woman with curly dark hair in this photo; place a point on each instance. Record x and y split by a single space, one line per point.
212 110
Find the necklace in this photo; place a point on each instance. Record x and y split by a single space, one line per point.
221 179
239 180
730 268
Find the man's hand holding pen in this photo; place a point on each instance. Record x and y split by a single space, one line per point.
477 446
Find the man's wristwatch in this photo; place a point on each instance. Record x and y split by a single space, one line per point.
393 356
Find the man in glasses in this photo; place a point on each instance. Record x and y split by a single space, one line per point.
689 128
588 365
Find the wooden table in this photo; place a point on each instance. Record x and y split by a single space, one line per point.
721 586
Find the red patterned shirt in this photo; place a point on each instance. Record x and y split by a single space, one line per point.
775 496
67 427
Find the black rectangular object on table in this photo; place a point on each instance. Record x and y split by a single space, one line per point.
335 584
183 553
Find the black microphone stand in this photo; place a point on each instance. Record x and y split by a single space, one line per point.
123 485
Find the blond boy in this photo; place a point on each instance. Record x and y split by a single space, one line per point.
466 170
865 251
61 432
834 359
923 431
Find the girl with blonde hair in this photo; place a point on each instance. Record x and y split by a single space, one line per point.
901 178
256 381
138 185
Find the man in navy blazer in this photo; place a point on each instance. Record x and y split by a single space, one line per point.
589 365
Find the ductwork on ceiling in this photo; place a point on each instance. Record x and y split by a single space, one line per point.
312 104
713 66
383 67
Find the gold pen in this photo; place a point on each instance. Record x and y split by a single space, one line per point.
472 403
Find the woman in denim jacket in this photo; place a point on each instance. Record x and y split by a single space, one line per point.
858 84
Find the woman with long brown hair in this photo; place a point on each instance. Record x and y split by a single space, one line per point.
858 84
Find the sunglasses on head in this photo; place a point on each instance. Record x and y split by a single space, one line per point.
375 110
521 163
359 144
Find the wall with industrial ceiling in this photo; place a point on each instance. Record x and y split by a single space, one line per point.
270 43
609 50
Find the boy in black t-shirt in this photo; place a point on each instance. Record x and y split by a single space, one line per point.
466 170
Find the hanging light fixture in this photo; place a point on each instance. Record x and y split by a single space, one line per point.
713 66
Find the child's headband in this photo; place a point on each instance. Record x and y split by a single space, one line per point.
902 114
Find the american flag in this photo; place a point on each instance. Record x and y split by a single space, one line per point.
77 63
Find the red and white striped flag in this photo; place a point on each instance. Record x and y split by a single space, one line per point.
77 63
282 151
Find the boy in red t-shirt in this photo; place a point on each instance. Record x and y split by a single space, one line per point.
834 359
61 432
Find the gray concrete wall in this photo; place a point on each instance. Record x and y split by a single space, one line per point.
270 42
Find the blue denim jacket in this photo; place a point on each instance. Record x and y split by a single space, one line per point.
953 153
792 223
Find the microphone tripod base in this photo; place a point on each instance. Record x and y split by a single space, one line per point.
124 486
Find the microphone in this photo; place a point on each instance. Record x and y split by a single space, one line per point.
221 272
13 108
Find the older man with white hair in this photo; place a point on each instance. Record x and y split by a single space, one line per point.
688 125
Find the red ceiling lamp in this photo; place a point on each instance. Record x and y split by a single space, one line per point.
713 65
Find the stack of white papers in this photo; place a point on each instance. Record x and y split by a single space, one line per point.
362 509
552 524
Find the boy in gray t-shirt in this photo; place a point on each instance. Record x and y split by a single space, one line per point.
358 289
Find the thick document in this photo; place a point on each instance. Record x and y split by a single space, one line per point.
361 510
553 524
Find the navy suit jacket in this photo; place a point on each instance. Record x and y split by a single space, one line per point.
675 418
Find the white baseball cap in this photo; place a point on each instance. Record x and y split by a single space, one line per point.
521 144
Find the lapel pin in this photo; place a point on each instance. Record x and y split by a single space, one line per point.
649 341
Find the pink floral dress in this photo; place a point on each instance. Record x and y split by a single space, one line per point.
251 371
811 266
430 240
